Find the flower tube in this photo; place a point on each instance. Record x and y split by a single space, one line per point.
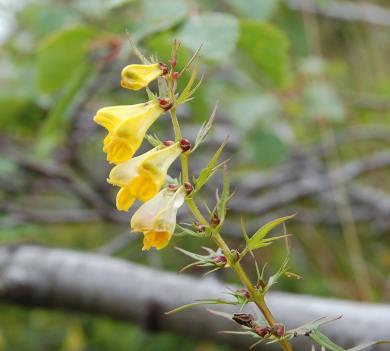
136 77
142 177
156 218
126 126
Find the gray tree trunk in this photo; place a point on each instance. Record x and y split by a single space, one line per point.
78 281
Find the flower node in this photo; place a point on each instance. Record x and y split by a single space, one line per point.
220 260
173 62
188 187
214 221
185 144
278 329
236 255
164 68
201 228
261 330
244 292
168 142
166 104
172 187
175 75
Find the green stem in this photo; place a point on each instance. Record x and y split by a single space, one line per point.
238 269
257 297
175 123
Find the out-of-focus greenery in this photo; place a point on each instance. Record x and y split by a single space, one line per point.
279 75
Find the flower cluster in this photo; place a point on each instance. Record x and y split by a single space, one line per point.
142 177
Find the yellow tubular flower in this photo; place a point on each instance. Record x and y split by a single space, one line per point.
126 126
156 219
142 177
136 77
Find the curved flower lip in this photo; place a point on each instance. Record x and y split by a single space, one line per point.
126 126
156 218
142 177
136 76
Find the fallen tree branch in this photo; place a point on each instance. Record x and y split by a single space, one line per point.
76 281
312 184
345 10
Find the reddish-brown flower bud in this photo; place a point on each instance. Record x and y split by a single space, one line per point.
173 62
168 142
220 260
214 221
261 284
164 68
188 187
278 329
185 144
244 292
236 255
261 330
172 187
245 319
201 228
166 104
175 75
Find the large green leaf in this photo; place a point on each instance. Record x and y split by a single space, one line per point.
159 16
217 32
267 46
60 55
263 9
266 148
322 102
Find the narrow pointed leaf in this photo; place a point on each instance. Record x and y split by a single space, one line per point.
368 344
323 340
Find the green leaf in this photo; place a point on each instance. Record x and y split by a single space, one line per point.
323 340
60 55
217 32
225 196
257 239
369 344
159 16
206 173
205 129
266 148
263 9
257 109
322 102
153 140
308 327
268 47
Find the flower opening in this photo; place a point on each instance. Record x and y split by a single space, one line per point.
126 126
156 218
142 177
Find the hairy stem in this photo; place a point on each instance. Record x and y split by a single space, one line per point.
256 296
237 267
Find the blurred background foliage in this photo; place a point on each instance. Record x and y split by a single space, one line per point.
290 84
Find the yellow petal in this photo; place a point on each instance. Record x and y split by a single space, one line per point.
142 219
136 77
144 187
122 174
119 149
110 117
156 218
157 239
124 199
128 135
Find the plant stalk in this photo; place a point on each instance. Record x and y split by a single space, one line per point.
237 267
